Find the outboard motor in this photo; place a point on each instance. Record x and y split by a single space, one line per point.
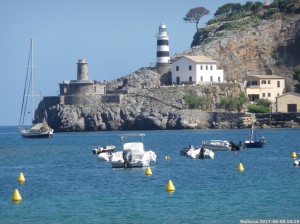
235 147
296 162
183 152
201 154
127 157
96 151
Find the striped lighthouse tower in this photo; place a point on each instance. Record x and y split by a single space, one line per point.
162 55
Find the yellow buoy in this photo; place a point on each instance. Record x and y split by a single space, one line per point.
148 171
294 155
16 197
21 177
240 167
170 187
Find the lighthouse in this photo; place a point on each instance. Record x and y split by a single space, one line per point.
162 55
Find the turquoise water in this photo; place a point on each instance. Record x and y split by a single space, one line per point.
66 184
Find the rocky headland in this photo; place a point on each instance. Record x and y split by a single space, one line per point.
150 101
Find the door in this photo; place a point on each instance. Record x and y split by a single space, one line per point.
177 80
292 108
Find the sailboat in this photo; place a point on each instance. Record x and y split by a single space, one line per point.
38 129
253 143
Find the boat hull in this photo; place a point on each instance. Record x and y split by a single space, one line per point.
37 134
133 164
253 145
216 145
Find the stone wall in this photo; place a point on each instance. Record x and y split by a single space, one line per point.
83 100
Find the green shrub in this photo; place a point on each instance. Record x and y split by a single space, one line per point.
197 102
263 102
296 75
233 103
258 109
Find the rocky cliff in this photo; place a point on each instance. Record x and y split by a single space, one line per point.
258 47
254 47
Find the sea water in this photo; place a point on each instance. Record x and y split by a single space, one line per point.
65 183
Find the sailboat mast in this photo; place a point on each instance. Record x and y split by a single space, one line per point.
32 101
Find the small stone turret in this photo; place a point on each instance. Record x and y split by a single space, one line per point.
82 70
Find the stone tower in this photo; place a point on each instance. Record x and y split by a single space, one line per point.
162 55
82 70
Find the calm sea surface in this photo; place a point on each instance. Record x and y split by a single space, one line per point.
66 184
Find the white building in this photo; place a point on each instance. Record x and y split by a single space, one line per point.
196 70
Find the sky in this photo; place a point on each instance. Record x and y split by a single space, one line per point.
116 37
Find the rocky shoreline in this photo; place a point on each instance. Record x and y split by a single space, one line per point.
117 117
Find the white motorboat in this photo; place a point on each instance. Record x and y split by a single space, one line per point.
296 162
217 145
102 149
133 154
197 152
105 156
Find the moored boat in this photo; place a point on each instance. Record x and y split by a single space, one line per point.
216 145
133 153
38 129
252 143
197 152
102 149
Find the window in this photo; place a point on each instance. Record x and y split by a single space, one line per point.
211 78
211 67
263 95
263 82
190 67
201 78
190 79
269 94
201 68
219 79
177 68
254 83
269 81
278 84
206 67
